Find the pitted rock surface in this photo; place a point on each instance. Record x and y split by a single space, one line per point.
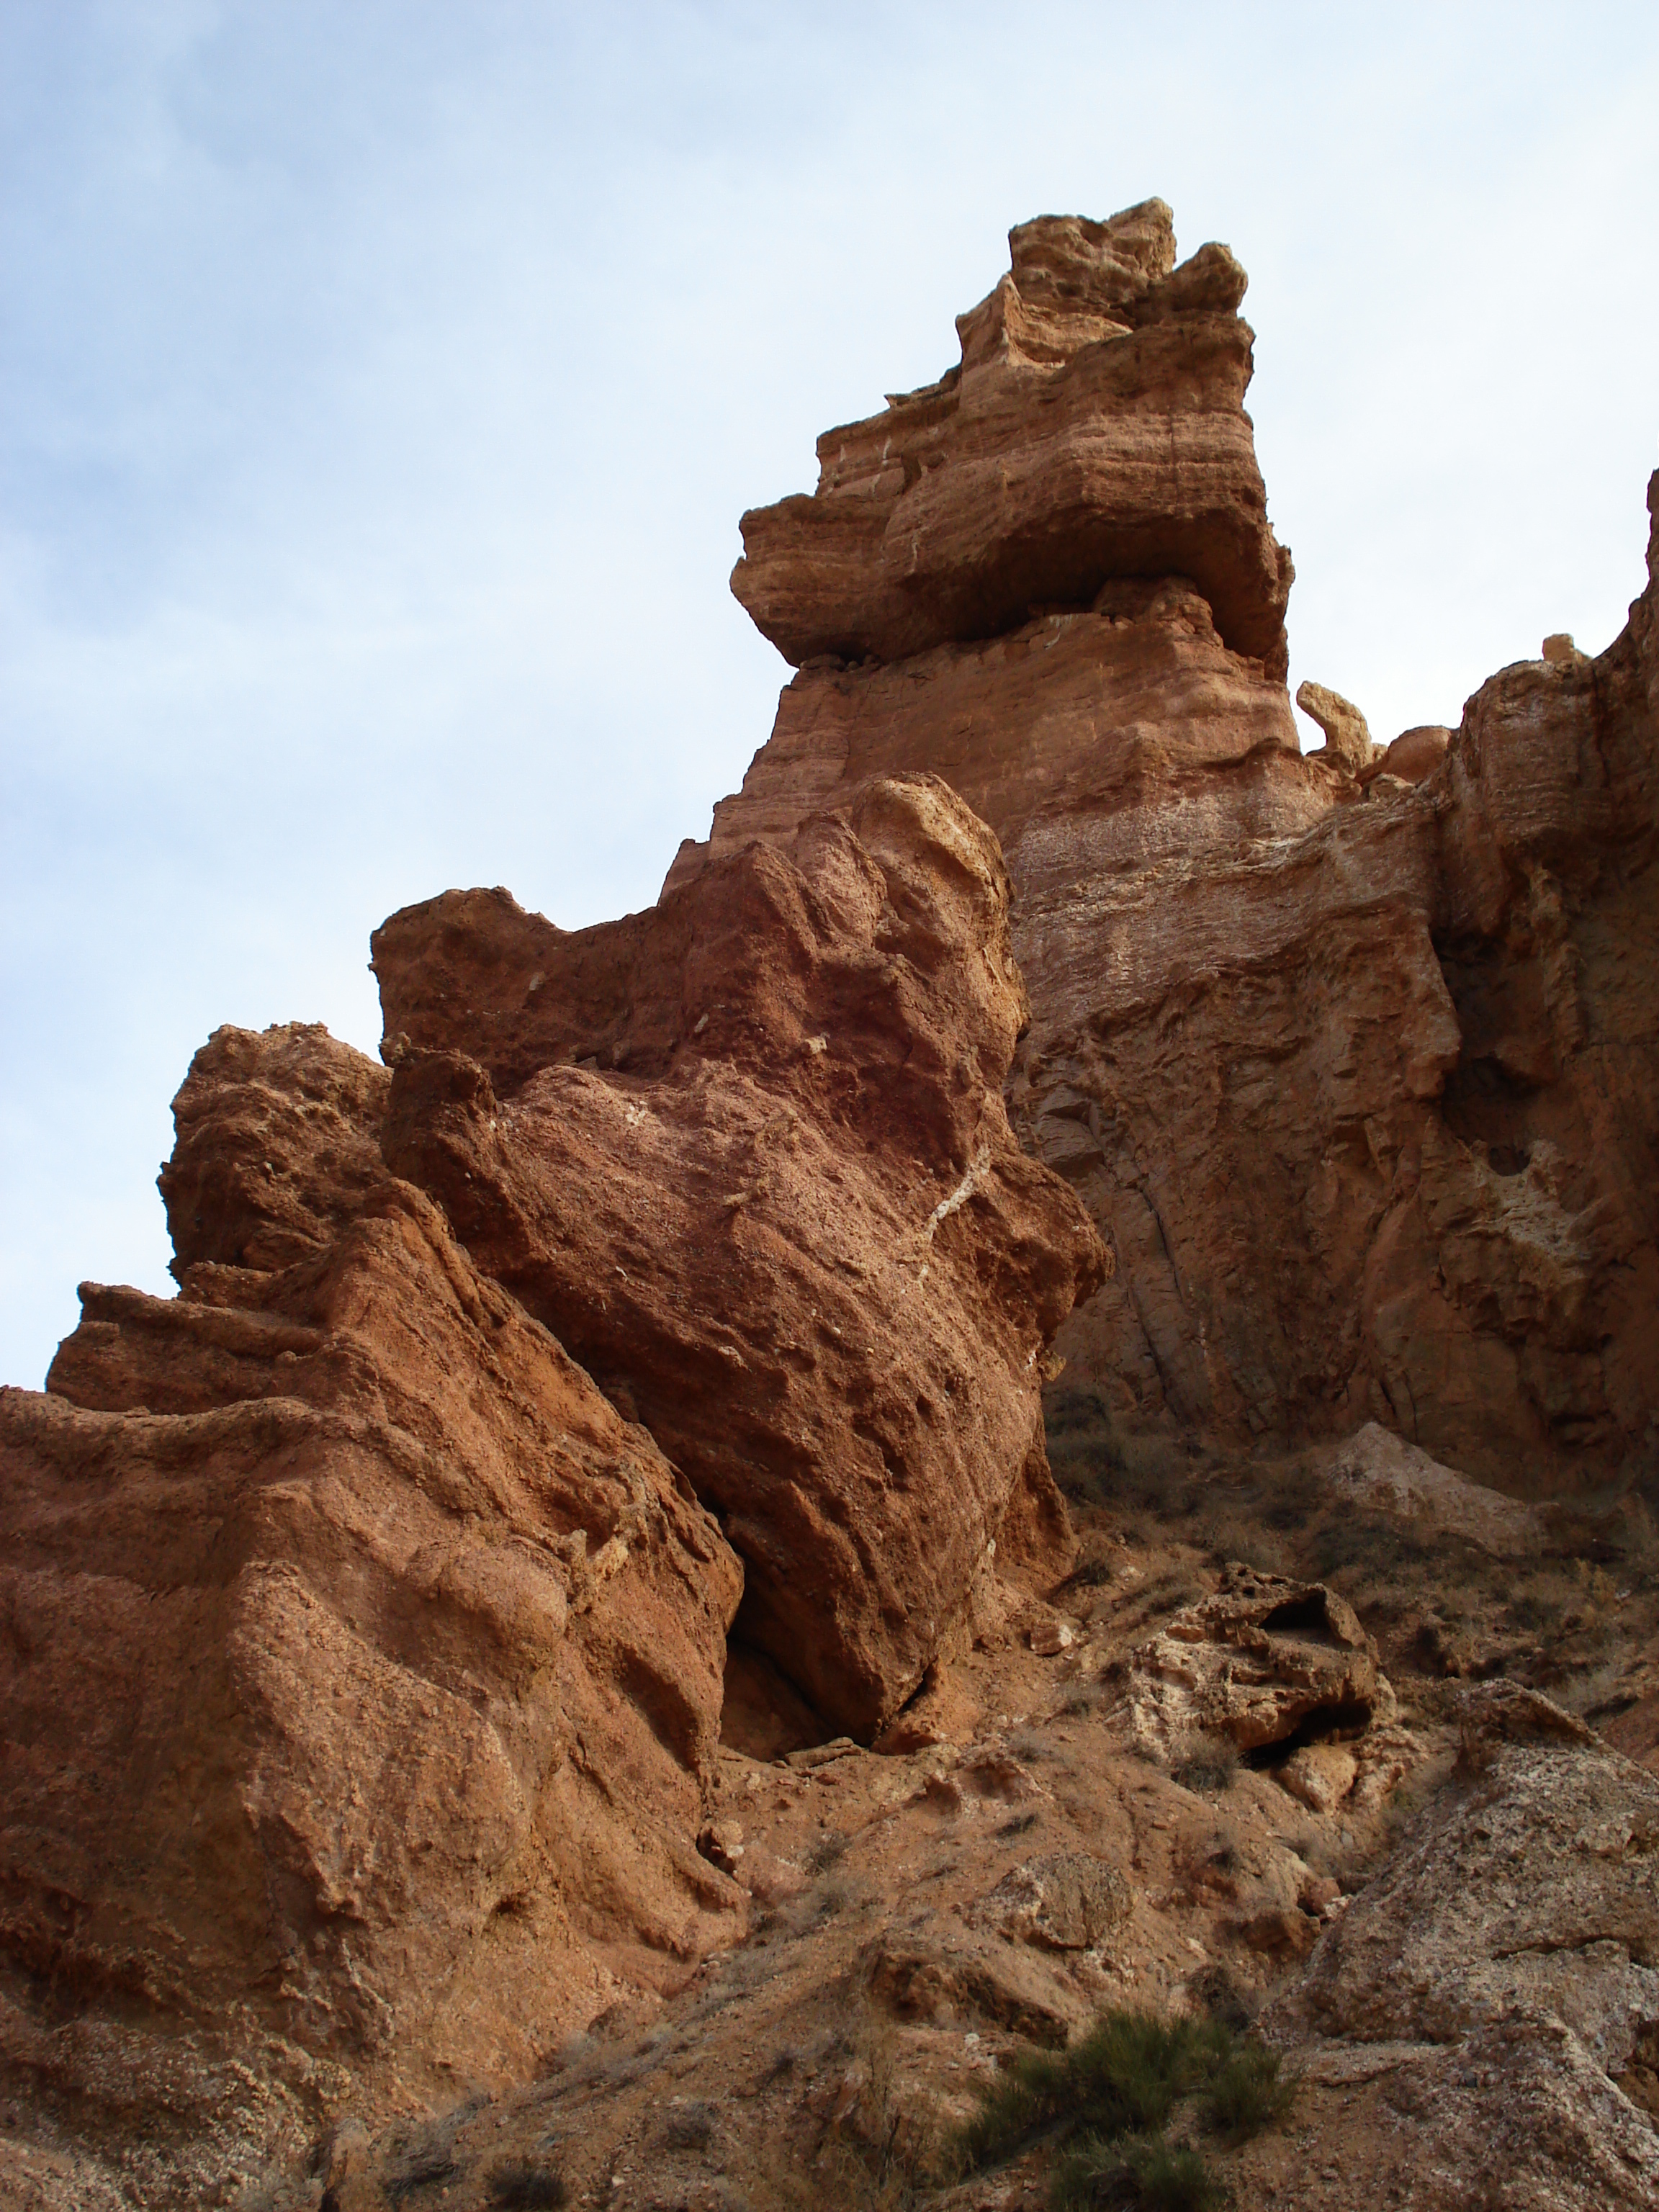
1259 1661
1489 1999
1064 1901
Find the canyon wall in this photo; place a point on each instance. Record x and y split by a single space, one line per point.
1352 1056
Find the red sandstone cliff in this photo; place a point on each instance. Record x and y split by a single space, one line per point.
366 1662
750 1160
1353 1058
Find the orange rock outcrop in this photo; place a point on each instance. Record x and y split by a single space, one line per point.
366 1666
368 1658
747 1155
1353 1055
1094 430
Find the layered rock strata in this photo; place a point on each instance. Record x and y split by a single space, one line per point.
1353 1056
1094 428
365 1666
368 1662
747 1155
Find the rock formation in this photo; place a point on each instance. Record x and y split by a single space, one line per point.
365 1666
602 1444
367 1662
1488 2009
747 1155
1094 430
1271 1665
1353 1056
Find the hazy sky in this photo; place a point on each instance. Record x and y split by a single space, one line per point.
383 381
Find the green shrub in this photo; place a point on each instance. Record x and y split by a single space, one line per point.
1145 2172
1123 2076
1108 2099
1171 2177
1249 2092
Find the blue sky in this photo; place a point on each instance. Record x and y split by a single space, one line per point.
383 384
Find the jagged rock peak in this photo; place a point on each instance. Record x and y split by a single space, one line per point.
1093 431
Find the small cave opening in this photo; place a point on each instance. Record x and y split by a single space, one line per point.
1307 1615
1339 1723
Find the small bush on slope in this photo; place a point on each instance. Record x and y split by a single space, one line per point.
1110 2096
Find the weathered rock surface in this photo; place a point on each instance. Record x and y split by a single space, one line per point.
1062 1901
1415 755
1347 735
1263 1661
747 1155
1095 428
1380 1473
1364 1097
1489 2002
369 1663
364 1666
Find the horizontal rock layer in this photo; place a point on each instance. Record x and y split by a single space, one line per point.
391 1660
1095 428
1353 1056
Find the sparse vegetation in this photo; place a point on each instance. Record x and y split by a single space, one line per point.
525 2186
1248 2092
1108 2099
1210 1765
422 2162
1098 1460
1145 2171
689 2126
827 1850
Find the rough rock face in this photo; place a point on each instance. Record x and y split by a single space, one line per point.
1355 1060
1265 1662
1094 430
747 1155
1379 1473
390 1655
1490 2003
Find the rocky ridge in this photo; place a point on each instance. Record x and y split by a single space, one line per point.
1352 1054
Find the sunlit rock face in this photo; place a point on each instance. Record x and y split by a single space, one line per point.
747 1154
366 1666
1094 430
1354 1055
368 1653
